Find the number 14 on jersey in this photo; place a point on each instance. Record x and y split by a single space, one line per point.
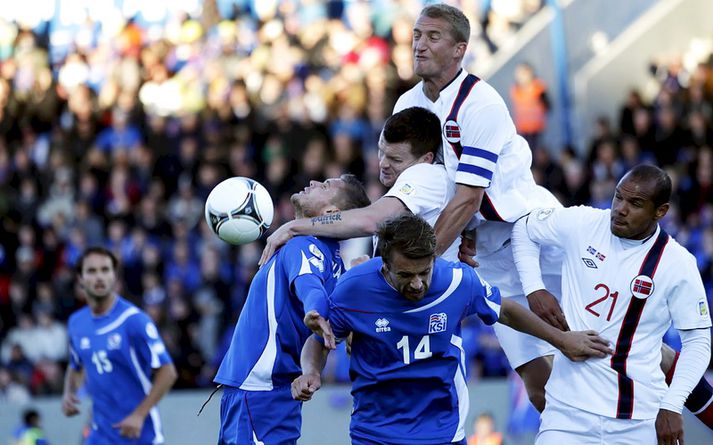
423 348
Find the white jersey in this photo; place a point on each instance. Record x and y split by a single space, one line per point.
481 148
628 291
425 190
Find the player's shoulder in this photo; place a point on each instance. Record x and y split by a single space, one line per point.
586 213
318 247
676 253
79 317
422 173
448 272
482 95
410 98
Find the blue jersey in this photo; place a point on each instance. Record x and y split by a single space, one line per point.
267 342
117 352
407 365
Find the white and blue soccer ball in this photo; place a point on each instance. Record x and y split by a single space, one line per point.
239 210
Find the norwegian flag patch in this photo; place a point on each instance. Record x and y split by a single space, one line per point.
642 286
451 130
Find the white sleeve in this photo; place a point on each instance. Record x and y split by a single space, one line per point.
687 303
421 188
693 362
527 258
555 226
483 136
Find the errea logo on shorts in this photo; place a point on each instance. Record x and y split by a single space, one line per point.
382 325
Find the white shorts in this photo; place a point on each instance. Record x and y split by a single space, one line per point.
499 270
563 424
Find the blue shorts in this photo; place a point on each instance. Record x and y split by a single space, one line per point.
259 417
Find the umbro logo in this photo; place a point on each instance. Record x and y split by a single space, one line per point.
589 263
382 325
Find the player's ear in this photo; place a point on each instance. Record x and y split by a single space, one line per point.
428 157
661 211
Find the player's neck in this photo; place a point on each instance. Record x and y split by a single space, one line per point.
101 306
433 86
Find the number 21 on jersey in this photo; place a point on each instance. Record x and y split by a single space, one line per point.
423 348
605 294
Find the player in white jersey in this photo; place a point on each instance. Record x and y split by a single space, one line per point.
628 279
490 167
408 145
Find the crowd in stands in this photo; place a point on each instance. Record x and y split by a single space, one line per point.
119 139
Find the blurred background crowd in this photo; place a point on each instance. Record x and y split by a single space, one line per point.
115 124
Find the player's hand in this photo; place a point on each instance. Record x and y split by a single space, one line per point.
669 428
349 343
317 324
466 250
278 239
581 345
359 260
131 426
545 306
70 405
304 386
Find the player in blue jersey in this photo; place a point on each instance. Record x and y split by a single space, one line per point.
263 358
408 364
115 349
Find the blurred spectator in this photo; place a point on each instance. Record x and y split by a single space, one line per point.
484 432
30 431
530 104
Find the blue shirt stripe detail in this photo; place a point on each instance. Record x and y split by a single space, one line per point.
480 153
480 171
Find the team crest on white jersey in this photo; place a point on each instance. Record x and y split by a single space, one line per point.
407 189
642 286
543 214
114 341
382 325
84 343
437 323
451 130
703 307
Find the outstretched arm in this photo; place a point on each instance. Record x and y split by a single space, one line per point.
313 359
526 254
341 225
577 346
692 364
456 215
163 380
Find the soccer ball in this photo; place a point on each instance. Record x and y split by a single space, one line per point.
239 210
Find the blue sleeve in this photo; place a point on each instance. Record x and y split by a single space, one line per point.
145 338
337 319
310 290
484 298
302 256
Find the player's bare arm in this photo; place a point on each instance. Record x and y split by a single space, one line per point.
72 381
456 215
163 380
313 359
577 345
340 225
